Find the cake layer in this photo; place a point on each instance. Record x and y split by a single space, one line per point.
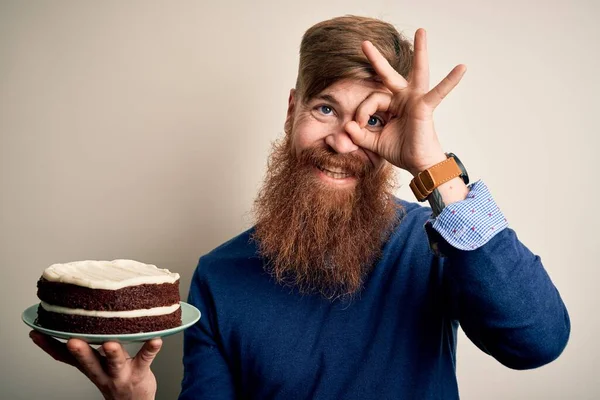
110 275
144 312
107 326
128 298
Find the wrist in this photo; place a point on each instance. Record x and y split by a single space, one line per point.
452 191
426 164
442 183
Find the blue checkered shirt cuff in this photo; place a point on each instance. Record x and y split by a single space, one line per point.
472 222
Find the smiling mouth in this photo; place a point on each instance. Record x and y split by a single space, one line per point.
335 173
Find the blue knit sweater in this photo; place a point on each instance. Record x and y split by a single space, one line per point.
397 340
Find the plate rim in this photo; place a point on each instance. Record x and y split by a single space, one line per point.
126 337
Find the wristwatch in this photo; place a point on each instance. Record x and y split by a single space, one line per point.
425 184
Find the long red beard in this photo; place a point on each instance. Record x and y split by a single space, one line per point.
319 238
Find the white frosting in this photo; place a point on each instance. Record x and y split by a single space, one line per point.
111 275
148 312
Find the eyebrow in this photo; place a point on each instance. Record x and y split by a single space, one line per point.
328 98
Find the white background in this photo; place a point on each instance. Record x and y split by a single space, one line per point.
141 129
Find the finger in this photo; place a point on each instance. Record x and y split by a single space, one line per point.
143 359
116 358
390 77
89 361
362 137
54 348
419 74
435 96
374 103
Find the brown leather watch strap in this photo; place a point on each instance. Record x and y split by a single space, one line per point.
426 181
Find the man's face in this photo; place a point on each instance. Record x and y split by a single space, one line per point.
326 206
321 122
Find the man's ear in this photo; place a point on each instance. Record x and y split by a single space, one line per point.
289 120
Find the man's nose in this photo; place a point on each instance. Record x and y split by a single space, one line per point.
340 141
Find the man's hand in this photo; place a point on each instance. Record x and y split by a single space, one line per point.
117 375
408 140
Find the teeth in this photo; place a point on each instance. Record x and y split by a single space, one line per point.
336 176
336 173
335 170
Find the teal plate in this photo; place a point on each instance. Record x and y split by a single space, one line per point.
189 316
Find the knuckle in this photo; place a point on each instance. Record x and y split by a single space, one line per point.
439 92
114 369
117 384
114 386
147 357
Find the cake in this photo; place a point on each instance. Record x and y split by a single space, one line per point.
108 297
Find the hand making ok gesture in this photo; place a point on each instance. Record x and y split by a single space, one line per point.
408 140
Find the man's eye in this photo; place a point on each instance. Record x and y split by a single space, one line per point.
325 110
375 121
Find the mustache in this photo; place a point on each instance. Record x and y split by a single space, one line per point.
322 157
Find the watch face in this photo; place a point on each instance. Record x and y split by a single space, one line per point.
464 175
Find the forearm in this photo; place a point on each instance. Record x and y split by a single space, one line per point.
507 303
497 289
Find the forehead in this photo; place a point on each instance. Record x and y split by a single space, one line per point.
350 91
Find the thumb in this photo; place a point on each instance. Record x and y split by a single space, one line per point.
147 353
363 137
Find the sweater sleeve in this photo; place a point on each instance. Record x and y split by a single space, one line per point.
505 301
206 372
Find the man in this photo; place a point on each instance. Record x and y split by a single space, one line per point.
341 291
